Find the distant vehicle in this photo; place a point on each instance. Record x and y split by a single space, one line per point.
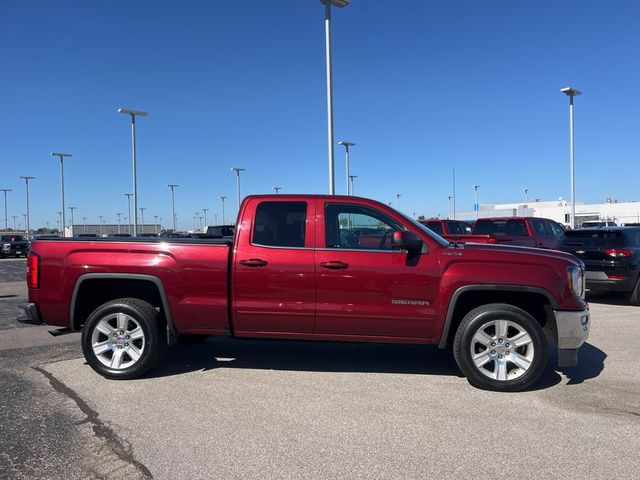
118 235
598 224
13 246
44 236
87 235
611 256
220 231
448 227
146 235
521 231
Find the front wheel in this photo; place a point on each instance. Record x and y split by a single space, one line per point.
122 338
500 347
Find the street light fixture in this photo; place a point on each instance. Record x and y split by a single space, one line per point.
84 221
72 209
173 186
6 218
155 225
142 209
327 30
62 156
14 221
60 223
238 170
26 181
526 199
118 215
205 210
346 146
276 189
450 198
101 226
133 114
572 92
476 207
222 197
398 195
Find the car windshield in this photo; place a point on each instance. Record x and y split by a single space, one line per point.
425 229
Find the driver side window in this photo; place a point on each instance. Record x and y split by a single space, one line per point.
358 227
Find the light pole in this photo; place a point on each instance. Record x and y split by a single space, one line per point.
351 178
215 218
572 92
238 170
84 221
14 221
101 229
454 193
6 218
476 207
222 197
195 220
142 209
526 199
155 225
276 189
327 33
133 114
450 198
60 223
129 195
118 215
346 146
201 218
26 181
398 195
72 228
205 210
173 186
62 157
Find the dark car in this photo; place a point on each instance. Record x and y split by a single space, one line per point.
119 235
611 256
220 231
87 235
13 246
448 227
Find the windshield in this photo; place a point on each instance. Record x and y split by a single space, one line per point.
423 228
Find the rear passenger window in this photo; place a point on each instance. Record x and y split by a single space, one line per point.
516 228
435 226
540 226
280 224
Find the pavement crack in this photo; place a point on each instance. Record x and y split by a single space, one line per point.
120 447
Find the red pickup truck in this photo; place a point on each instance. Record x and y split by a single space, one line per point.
522 231
315 268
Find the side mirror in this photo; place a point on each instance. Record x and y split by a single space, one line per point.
409 241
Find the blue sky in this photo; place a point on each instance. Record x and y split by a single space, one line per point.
420 86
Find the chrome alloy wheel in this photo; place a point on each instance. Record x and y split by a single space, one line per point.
502 350
118 341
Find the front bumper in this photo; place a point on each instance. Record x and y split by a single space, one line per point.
30 314
572 329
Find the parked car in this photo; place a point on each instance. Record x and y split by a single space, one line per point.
147 235
118 235
611 256
87 235
13 246
598 224
220 231
44 236
313 267
522 231
448 227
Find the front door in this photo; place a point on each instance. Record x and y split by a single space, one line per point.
364 286
274 268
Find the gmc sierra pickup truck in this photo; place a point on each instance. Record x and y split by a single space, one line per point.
315 268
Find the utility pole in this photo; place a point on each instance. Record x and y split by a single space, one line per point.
173 186
222 197
26 181
6 218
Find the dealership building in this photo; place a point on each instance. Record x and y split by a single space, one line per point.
560 211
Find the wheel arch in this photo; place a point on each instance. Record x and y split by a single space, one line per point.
465 298
150 289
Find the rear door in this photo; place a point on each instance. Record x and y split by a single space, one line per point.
274 266
364 287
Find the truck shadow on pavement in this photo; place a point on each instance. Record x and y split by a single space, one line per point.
345 357
609 298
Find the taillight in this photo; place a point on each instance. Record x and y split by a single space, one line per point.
618 252
33 271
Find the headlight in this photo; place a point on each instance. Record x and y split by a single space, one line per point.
576 280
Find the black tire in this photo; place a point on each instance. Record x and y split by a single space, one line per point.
137 313
514 378
634 298
190 338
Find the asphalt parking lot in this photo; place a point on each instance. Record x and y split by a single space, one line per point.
269 409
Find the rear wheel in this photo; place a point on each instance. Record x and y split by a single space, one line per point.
122 338
500 347
634 298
